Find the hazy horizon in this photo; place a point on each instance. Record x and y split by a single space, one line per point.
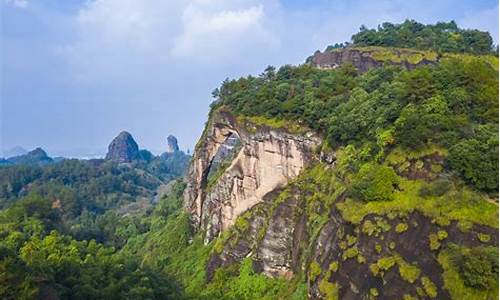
76 73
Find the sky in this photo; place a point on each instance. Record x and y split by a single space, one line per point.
75 73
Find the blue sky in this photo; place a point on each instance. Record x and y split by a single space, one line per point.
75 73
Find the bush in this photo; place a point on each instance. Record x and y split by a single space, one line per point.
476 159
375 182
479 267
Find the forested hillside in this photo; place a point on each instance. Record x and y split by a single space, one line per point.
62 226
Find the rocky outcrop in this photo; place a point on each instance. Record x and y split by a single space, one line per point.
236 165
123 148
283 240
172 145
364 59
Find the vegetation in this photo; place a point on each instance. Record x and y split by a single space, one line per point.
429 287
442 36
374 182
451 106
37 260
470 273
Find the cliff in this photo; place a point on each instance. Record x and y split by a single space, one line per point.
237 165
366 58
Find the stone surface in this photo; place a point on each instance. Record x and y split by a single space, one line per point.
266 160
123 148
362 60
172 145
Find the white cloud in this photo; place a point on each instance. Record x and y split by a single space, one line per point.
116 40
209 35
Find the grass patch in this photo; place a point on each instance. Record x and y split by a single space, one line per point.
328 289
429 287
250 123
461 205
399 55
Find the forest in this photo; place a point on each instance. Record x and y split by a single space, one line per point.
441 37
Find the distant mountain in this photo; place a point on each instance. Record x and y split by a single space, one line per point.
170 164
14 151
172 145
123 148
35 157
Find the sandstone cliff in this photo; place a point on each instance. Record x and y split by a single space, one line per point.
237 165
366 58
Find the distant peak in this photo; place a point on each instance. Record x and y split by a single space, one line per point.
125 134
123 148
172 145
38 151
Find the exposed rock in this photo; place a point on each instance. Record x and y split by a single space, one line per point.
123 148
279 250
172 145
366 59
249 165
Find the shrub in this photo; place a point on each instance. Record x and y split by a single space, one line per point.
401 227
476 160
479 267
429 287
375 182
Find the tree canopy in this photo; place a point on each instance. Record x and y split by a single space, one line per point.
442 37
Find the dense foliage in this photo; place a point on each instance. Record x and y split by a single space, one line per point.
375 182
453 105
479 267
37 261
94 185
442 36
64 223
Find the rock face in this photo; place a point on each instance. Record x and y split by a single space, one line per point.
365 59
282 241
236 166
172 145
123 148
